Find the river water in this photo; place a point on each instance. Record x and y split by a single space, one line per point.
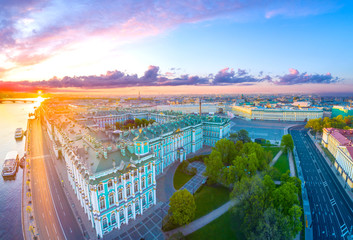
12 116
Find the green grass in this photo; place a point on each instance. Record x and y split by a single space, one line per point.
209 198
227 226
273 150
282 163
180 178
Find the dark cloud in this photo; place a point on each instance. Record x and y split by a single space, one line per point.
228 76
153 77
294 77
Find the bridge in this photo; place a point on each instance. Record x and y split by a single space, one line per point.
18 100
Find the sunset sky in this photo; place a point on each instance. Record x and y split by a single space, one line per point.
162 47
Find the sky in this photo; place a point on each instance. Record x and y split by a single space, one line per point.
163 47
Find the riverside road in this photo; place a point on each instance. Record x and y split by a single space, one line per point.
329 203
54 217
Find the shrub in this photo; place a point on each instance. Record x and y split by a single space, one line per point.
167 224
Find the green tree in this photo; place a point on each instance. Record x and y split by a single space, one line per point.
272 226
287 143
295 213
243 136
285 197
138 122
182 207
214 165
227 150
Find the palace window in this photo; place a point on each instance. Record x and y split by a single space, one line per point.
143 182
136 187
137 206
110 184
149 167
149 179
105 222
119 180
102 203
100 187
127 176
121 212
128 191
111 199
150 197
113 218
129 210
143 170
144 201
120 195
135 173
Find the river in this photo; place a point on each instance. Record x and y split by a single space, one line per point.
12 116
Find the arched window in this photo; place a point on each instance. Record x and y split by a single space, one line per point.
111 199
128 191
136 187
143 182
136 205
144 200
105 223
120 194
100 187
121 212
129 210
150 197
110 184
150 179
102 203
113 218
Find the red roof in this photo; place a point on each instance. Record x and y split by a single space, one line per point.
344 137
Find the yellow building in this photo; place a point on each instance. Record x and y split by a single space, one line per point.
277 114
339 143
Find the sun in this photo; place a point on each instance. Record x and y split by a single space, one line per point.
39 92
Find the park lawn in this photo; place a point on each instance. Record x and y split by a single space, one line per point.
274 150
209 198
282 163
180 178
225 227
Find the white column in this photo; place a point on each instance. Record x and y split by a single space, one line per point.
140 179
126 215
141 205
99 228
154 195
124 188
133 208
118 219
154 172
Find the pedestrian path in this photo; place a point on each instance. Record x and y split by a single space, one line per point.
196 181
274 160
202 221
291 165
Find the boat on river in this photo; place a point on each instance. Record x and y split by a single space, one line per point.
9 167
18 134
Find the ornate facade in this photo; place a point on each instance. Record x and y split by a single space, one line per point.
113 172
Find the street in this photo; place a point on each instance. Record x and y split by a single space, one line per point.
329 203
53 214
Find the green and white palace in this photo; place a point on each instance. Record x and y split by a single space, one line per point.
113 172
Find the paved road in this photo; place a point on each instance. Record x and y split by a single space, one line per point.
54 216
330 206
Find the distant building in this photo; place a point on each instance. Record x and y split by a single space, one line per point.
113 172
301 104
277 114
342 110
339 143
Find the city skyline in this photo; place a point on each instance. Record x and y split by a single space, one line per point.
218 47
